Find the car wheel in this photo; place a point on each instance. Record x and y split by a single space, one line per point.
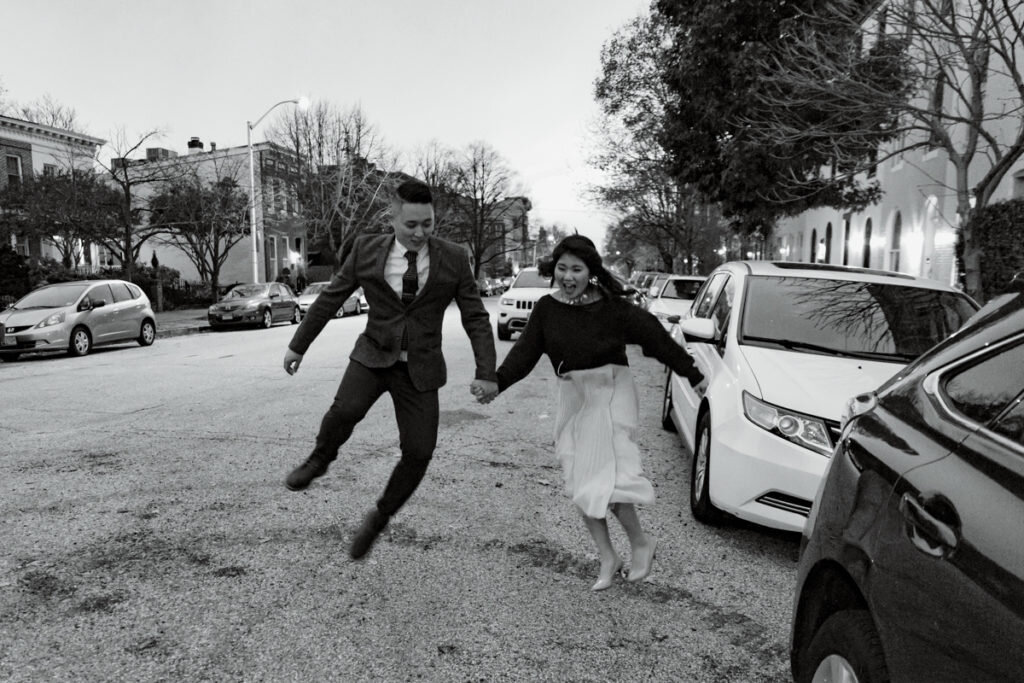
296 316
504 334
81 342
666 406
267 320
845 648
700 475
147 333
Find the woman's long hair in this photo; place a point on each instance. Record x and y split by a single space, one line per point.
582 248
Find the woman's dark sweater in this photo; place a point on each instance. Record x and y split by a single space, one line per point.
589 336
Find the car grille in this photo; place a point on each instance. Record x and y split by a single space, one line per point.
16 330
783 501
524 305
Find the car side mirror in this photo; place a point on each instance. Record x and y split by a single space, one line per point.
85 305
701 330
99 304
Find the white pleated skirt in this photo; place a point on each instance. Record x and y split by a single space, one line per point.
595 439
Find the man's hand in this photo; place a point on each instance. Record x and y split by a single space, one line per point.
292 361
484 390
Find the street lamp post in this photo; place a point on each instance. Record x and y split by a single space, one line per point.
249 125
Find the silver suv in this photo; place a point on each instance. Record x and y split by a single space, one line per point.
517 301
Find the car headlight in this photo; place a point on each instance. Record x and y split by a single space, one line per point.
803 430
55 319
251 305
505 301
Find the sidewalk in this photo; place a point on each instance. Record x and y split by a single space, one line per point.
180 322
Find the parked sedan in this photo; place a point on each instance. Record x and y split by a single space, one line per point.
783 346
351 306
75 317
912 563
260 304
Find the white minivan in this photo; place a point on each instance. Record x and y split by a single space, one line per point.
784 346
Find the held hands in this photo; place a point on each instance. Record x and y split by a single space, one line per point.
292 361
484 390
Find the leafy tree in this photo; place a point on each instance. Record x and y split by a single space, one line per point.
69 209
204 219
660 208
962 92
718 64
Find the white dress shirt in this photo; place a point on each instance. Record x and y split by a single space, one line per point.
394 269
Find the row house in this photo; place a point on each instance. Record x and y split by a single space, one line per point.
281 240
30 149
913 229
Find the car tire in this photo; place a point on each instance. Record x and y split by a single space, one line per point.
666 406
147 333
267 319
10 357
700 475
80 343
296 316
846 644
504 334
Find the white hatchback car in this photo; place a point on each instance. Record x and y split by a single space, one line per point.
783 347
674 296
517 301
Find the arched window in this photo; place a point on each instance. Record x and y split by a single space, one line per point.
828 243
867 244
846 241
814 245
894 251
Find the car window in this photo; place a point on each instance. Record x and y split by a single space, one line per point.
121 292
868 319
1011 423
723 307
101 293
707 294
135 291
681 289
984 389
531 278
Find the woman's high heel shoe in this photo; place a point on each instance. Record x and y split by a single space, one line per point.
604 582
640 567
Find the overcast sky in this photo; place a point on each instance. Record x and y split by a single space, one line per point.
517 74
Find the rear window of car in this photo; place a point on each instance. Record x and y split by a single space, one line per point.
121 292
863 319
531 278
681 289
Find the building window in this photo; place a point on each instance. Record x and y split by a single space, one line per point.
846 241
14 176
49 170
867 244
21 245
106 259
894 252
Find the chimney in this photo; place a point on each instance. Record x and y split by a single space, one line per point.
213 146
195 146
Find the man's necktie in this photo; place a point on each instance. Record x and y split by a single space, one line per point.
410 283
411 279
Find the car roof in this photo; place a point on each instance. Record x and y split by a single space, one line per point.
84 282
696 278
829 271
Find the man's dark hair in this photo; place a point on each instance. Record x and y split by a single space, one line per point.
414 192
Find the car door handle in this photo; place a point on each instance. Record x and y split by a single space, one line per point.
929 534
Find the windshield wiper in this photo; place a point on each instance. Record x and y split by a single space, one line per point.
794 345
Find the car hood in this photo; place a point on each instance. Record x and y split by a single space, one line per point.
814 384
671 306
305 299
526 293
30 317
235 301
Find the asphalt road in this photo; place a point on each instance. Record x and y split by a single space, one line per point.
147 534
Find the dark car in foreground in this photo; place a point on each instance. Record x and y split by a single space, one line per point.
261 304
912 561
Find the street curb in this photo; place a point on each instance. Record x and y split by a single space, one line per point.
181 331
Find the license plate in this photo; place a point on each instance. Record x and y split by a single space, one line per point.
228 316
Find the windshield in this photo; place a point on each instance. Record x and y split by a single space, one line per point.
315 288
531 278
862 319
56 296
246 291
681 289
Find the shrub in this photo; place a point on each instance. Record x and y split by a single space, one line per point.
998 230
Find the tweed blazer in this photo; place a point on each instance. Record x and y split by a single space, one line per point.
450 279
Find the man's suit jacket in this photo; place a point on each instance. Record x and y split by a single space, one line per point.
450 278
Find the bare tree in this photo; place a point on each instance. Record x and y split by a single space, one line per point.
204 218
436 165
488 211
943 73
343 186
